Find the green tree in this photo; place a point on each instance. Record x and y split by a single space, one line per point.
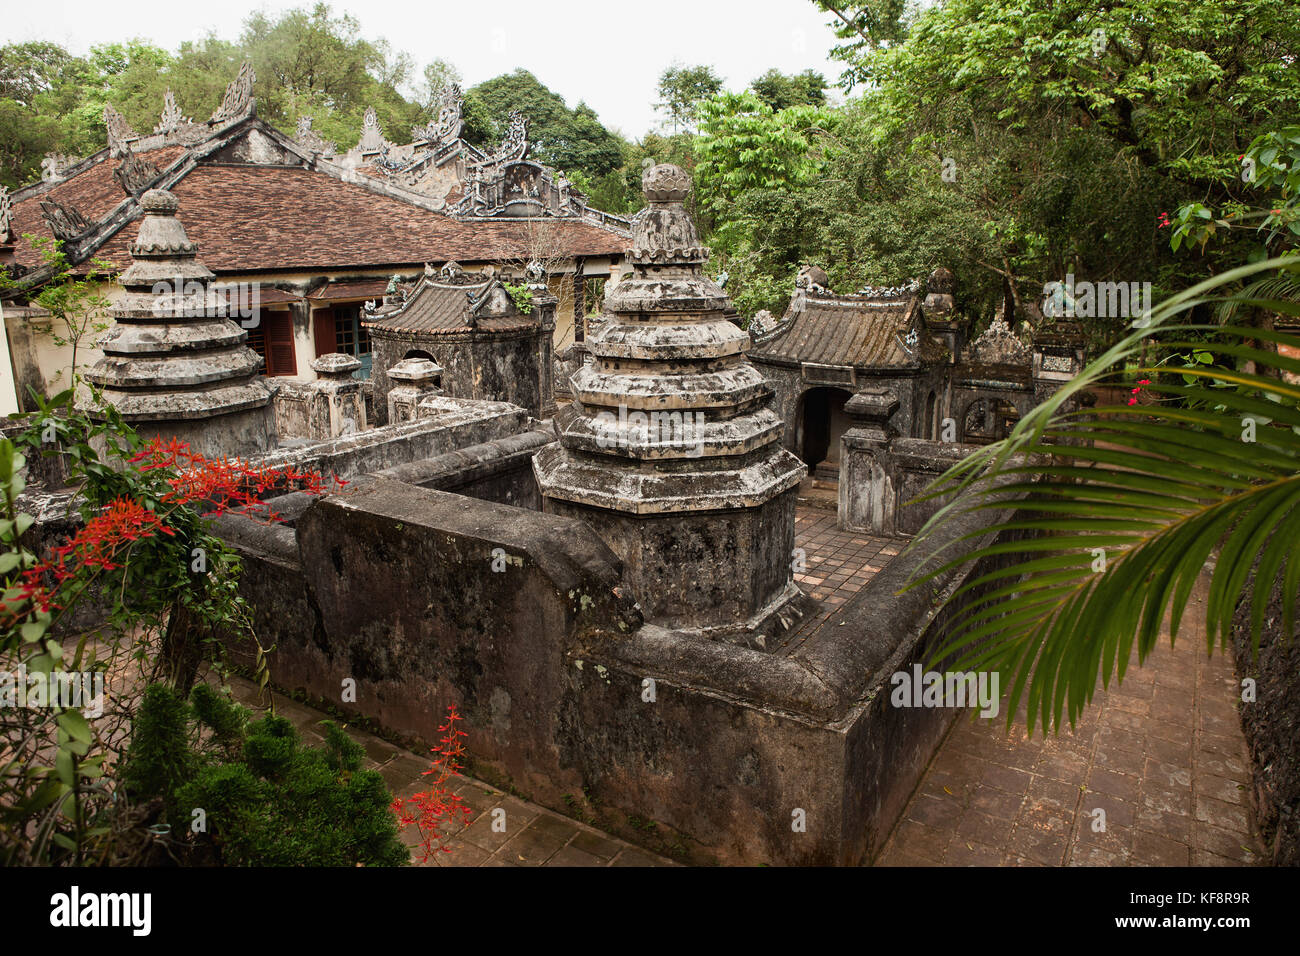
572 140
682 89
781 91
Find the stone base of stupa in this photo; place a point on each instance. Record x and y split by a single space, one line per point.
717 559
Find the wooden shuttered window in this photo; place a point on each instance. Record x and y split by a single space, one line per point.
272 338
323 331
280 356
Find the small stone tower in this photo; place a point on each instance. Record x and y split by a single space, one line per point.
173 364
670 450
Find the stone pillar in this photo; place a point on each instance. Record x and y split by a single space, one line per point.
336 406
419 379
868 498
174 366
670 449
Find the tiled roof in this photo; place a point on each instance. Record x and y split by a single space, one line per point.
249 218
851 330
360 289
94 193
439 309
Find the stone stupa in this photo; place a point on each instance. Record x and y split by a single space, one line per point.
670 451
174 365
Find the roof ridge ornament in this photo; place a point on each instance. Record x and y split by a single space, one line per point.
312 140
515 145
55 165
372 135
65 221
449 123
135 175
120 132
6 216
238 101
172 118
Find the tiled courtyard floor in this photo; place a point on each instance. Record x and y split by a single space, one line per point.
838 564
1163 755
526 834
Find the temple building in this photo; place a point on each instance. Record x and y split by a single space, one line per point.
470 328
302 235
828 348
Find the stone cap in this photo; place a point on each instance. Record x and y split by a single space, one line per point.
665 182
874 405
415 370
335 365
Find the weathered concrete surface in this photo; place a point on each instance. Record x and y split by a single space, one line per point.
500 470
464 601
447 424
1272 725
547 661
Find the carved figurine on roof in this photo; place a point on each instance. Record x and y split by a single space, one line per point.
467 323
470 183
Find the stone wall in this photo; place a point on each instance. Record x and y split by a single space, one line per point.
426 598
447 425
500 367
291 410
1271 724
500 470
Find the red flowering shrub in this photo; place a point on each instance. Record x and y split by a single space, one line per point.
433 810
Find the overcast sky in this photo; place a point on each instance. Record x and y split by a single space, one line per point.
607 53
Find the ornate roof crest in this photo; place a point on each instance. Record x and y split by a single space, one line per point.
311 139
6 216
238 101
515 146
372 137
999 346
172 118
448 125
54 165
119 131
135 175
65 222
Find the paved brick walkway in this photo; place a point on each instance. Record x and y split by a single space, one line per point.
839 563
530 835
1163 755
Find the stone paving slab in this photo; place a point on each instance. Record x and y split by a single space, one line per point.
525 834
1161 754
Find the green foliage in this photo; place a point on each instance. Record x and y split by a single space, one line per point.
1120 508
265 800
521 296
681 91
566 139
159 760
780 91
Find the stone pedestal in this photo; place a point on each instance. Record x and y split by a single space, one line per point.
417 380
670 450
335 406
867 500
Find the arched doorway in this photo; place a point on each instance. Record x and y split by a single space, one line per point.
822 423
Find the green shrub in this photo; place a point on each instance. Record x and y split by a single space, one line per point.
249 794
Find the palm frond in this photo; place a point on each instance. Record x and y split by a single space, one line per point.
1116 511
